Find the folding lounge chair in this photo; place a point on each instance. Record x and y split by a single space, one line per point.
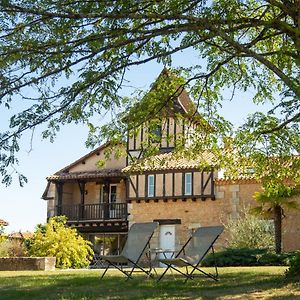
137 241
193 252
97 262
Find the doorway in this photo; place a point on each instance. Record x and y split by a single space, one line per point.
166 241
112 201
108 200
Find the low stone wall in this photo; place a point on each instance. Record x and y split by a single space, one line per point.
27 263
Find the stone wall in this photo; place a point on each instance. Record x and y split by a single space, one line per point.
191 213
231 199
27 263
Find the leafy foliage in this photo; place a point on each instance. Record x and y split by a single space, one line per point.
12 248
279 194
271 155
56 239
249 231
273 200
247 257
294 269
245 45
2 235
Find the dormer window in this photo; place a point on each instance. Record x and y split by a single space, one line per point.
155 134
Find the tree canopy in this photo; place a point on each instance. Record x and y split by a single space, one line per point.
269 157
92 44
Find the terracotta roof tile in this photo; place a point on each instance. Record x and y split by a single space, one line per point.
3 223
247 171
170 161
20 235
64 176
238 179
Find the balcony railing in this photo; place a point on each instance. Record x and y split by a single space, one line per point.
94 212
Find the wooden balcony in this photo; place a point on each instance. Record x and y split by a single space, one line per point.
94 212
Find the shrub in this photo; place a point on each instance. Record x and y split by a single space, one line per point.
56 239
12 248
246 257
2 235
274 259
294 269
249 231
4 251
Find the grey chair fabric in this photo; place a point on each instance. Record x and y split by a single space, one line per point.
194 251
138 239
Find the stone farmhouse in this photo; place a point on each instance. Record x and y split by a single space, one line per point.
103 202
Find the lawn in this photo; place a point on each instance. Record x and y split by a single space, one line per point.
234 283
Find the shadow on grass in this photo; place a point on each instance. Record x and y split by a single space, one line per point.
87 285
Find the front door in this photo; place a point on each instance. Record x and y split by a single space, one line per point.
166 241
108 199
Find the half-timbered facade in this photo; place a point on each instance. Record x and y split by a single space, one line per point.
169 178
102 202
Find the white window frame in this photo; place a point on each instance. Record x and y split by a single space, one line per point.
188 183
150 187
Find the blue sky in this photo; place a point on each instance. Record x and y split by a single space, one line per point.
23 207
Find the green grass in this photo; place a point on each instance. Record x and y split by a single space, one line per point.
234 283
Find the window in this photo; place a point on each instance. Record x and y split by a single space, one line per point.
188 183
150 185
113 194
155 134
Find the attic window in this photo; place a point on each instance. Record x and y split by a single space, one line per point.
157 131
156 134
83 162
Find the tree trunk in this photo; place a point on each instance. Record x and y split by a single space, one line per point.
277 226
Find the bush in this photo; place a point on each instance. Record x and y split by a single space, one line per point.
246 257
9 247
3 237
249 231
273 259
56 239
294 269
12 248
4 250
